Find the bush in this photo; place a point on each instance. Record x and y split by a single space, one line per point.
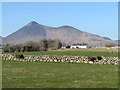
110 45
43 45
68 46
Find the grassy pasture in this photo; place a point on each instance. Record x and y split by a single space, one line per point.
18 74
74 52
102 49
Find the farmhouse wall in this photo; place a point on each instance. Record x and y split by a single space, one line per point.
64 58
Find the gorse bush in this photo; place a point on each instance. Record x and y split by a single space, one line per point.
43 45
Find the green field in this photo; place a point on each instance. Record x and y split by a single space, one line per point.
18 74
79 52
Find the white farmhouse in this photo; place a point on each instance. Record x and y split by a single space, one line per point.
78 46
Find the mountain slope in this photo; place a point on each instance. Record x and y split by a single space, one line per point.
73 35
67 34
31 32
1 40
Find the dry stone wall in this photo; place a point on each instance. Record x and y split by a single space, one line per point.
64 58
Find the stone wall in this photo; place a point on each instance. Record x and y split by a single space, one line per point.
64 58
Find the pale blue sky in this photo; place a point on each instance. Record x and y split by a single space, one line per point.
99 18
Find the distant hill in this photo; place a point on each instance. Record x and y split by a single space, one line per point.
0 40
67 34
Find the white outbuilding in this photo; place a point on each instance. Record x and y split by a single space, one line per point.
78 46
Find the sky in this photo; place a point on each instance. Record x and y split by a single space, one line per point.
99 18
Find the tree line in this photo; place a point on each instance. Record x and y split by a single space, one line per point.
43 45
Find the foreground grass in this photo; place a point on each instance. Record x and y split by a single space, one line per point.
71 52
18 74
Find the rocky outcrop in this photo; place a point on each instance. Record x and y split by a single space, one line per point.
64 58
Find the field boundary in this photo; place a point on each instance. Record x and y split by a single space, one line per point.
62 58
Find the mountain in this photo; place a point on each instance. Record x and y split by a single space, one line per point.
1 40
107 38
34 31
31 32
